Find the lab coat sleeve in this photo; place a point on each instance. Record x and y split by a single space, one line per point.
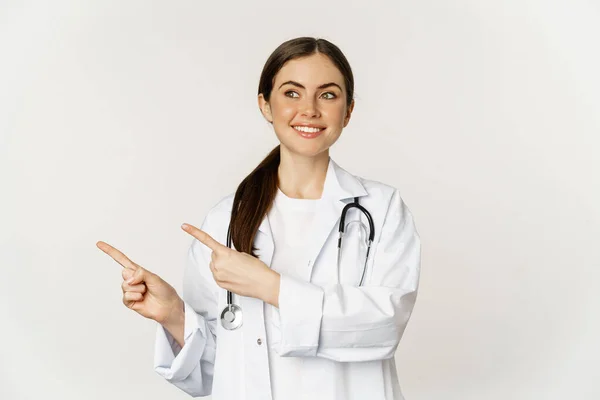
348 323
191 367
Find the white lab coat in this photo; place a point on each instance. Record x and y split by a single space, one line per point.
348 334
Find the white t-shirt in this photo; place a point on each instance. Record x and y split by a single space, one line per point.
291 222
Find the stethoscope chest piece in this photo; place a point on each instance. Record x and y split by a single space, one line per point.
231 317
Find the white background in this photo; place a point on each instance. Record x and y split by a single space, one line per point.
120 120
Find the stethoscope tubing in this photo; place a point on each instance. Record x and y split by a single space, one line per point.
232 316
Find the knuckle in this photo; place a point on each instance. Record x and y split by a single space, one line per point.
140 288
131 296
220 276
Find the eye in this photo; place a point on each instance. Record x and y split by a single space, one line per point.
332 95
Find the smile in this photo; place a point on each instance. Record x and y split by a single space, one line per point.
308 132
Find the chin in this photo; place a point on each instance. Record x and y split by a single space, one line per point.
306 151
305 147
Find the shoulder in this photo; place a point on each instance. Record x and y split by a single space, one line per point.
372 191
386 200
380 193
376 188
216 220
223 206
222 209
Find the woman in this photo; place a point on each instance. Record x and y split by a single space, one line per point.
309 330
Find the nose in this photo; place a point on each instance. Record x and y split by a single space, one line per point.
309 108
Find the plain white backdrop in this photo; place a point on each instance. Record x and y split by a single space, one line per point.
485 114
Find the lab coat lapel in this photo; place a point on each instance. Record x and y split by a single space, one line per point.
339 189
264 242
325 222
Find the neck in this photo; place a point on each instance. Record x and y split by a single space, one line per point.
302 177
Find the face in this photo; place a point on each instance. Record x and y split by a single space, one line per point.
308 94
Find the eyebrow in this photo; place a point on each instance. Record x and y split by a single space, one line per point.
323 86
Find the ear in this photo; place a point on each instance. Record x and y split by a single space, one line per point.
348 113
265 108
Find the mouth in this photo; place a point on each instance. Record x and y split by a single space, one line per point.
308 132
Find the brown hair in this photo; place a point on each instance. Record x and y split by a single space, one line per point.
254 196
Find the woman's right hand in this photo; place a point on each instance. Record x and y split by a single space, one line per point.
144 292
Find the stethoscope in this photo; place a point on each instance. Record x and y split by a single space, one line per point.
231 316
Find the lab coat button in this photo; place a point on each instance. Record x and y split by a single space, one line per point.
259 341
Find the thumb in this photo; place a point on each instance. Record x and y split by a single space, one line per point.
140 275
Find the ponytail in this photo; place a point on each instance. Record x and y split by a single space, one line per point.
252 201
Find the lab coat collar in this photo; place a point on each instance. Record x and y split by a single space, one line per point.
339 186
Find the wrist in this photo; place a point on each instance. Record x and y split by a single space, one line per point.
176 316
271 291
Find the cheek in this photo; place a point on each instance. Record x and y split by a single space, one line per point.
284 114
340 113
333 113
281 109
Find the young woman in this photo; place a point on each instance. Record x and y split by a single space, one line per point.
271 309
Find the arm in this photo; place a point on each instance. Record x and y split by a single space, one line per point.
348 323
175 324
190 367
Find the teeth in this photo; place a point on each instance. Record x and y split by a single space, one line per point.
307 129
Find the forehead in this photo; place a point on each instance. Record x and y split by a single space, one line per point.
310 71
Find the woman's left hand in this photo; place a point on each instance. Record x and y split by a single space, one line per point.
239 272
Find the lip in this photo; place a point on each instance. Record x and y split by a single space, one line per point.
309 125
309 135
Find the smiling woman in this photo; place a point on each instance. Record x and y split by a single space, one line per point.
268 309
313 97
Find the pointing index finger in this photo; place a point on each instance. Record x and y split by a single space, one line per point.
203 237
116 255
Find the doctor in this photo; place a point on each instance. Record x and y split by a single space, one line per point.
308 329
